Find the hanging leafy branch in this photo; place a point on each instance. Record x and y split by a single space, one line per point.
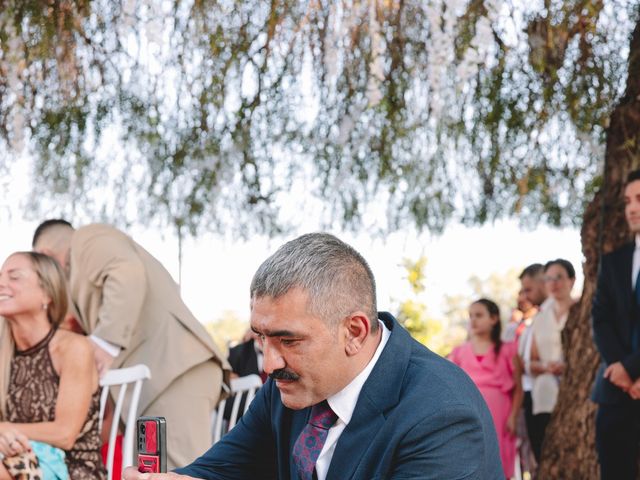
205 114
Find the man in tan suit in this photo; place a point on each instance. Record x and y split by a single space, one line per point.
131 308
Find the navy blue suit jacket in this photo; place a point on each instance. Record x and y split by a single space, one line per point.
418 416
614 313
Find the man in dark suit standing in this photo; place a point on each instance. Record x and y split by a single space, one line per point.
351 394
246 358
616 331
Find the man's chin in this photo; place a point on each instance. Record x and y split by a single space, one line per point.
293 401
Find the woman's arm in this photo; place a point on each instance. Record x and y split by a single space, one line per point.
73 357
518 393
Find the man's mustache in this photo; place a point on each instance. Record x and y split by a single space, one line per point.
284 374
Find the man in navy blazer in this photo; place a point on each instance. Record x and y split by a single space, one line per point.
616 331
397 409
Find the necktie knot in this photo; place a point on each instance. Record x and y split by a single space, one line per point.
322 416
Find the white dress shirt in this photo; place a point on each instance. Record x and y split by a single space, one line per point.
527 378
524 350
547 330
343 404
110 348
636 263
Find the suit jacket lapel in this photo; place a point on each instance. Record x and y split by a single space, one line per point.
363 427
380 393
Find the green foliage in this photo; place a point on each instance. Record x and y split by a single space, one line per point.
501 287
227 330
438 335
202 114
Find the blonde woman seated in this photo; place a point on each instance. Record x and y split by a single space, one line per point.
48 380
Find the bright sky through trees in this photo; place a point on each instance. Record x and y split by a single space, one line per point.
216 273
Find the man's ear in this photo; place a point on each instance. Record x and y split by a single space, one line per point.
357 328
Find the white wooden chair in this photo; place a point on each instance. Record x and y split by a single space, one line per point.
243 389
122 378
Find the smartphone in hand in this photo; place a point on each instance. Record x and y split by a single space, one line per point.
152 444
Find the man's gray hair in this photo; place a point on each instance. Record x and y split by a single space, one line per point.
336 277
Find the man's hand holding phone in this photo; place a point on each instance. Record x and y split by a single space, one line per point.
152 444
132 473
152 452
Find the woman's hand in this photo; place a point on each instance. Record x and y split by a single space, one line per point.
536 367
12 442
557 368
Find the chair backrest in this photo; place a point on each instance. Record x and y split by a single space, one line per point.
243 389
122 377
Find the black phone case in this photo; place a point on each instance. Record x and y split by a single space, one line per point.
152 444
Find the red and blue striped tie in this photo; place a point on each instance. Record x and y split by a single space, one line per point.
311 440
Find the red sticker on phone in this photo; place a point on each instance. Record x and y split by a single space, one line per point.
151 437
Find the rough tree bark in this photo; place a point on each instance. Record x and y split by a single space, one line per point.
569 448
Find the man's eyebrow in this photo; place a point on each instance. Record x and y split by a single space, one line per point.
276 333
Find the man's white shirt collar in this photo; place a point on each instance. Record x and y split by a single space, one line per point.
343 403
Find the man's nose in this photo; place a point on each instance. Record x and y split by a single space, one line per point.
272 360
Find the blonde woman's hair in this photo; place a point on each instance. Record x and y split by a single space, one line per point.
53 282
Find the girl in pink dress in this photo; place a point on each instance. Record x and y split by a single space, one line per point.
490 364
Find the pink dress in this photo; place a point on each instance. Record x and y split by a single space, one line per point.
494 378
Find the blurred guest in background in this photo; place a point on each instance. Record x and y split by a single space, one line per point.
616 331
131 308
520 317
49 395
490 364
520 331
534 289
547 360
246 358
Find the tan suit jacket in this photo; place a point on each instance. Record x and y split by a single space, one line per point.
125 296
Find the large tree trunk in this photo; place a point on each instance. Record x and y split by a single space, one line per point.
569 448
